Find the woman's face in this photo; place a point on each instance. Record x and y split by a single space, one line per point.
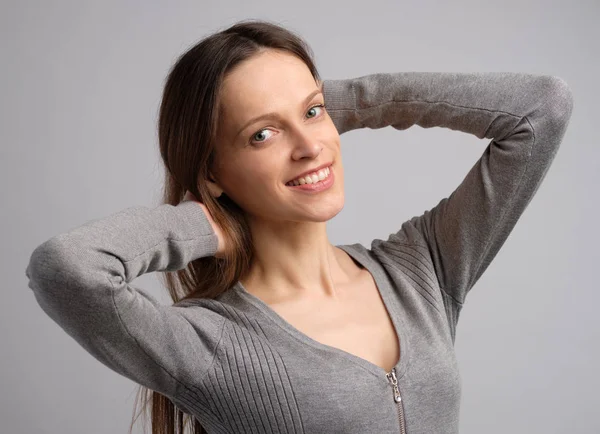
256 158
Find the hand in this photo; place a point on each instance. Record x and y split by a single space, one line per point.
221 247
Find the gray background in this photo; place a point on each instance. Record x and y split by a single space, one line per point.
80 87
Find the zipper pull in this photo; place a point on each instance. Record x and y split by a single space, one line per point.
394 383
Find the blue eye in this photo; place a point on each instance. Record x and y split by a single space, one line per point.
258 133
321 106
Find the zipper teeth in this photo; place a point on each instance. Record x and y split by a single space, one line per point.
401 417
397 399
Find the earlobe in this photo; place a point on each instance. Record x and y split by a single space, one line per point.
215 189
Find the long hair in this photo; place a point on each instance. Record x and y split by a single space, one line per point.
187 124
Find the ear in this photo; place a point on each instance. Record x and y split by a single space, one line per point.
213 186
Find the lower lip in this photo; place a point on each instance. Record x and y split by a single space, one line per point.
316 187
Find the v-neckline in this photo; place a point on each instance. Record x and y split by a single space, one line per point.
382 285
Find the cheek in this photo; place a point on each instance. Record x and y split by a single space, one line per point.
331 133
236 180
247 181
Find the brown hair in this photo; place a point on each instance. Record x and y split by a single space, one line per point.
187 125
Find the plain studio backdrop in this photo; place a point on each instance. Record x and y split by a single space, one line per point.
80 88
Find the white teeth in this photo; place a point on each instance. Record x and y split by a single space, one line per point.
312 178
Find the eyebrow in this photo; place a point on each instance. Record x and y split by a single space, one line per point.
273 115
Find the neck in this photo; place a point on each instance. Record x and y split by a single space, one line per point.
295 260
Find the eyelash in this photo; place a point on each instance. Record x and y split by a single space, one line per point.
263 129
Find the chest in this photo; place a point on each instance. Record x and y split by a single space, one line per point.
359 325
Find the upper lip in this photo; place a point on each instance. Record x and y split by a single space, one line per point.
316 169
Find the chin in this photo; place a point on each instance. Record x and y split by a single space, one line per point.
327 211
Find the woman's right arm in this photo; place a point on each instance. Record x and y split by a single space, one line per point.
82 280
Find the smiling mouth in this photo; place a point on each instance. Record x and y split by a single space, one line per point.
313 178
315 187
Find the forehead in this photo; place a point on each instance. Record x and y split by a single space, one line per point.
269 81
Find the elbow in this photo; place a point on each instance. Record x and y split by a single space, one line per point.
559 100
48 262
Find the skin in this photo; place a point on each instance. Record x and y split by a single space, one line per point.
293 257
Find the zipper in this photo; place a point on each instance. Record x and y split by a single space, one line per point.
391 376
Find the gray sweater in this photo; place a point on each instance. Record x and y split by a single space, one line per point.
234 363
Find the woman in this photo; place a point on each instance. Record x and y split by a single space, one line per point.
273 328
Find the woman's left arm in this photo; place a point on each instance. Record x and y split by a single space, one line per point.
525 115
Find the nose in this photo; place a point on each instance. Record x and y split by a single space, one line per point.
305 144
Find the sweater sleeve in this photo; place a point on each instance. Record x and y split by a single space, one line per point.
82 280
525 115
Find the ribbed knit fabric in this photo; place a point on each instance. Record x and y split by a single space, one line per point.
239 367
